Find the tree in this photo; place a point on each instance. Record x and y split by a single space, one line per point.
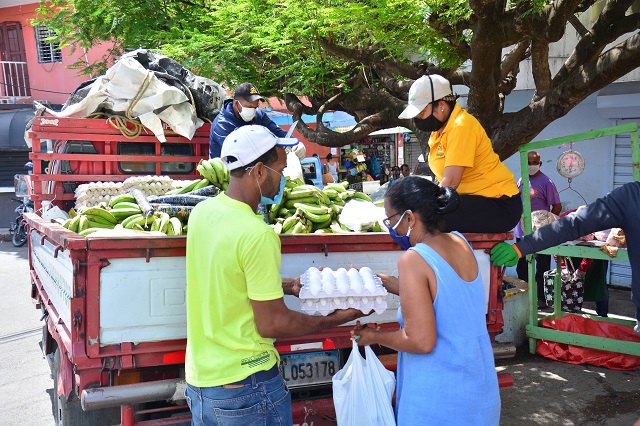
362 56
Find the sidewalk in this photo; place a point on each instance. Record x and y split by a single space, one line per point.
547 392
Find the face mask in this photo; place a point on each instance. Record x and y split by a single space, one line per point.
401 240
534 169
353 172
246 113
276 198
429 124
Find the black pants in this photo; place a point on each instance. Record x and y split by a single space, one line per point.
484 215
542 264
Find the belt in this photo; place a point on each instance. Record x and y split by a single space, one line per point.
260 376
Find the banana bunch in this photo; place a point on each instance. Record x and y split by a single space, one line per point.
215 171
307 209
123 211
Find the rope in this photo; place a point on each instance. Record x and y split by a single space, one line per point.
122 124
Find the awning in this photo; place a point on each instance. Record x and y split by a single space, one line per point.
13 123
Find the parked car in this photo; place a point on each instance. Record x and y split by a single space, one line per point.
312 171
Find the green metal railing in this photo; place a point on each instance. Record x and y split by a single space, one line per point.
534 331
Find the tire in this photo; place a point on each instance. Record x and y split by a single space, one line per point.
68 411
19 236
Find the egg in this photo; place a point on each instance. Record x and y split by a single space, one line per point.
328 283
342 284
351 301
355 281
315 286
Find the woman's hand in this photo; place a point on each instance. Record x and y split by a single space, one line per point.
364 335
391 283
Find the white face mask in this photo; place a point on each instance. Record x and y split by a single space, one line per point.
246 113
534 169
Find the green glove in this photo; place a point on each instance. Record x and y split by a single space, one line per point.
504 254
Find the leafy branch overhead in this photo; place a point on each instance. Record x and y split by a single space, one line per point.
362 56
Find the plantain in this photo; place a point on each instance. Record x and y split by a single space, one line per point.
83 223
174 227
122 198
100 212
315 209
92 224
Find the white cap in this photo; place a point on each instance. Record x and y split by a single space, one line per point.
423 91
248 143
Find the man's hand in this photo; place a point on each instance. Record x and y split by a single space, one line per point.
292 286
504 254
346 315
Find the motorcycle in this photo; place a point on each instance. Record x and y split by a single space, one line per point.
18 227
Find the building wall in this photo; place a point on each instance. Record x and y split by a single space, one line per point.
52 82
597 178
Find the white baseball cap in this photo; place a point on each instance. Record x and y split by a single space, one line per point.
247 143
423 91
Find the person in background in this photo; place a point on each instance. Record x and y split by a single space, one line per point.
443 341
332 165
404 170
234 293
461 157
395 175
240 111
353 176
618 209
544 196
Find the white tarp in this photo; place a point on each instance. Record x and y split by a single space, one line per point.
158 102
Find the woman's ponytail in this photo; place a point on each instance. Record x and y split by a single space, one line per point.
447 200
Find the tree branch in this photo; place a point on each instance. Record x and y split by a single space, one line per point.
540 67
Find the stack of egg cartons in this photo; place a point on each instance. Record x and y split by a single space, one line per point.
91 194
326 290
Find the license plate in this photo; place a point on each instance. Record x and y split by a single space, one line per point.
310 368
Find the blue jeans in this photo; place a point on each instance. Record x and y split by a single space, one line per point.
259 403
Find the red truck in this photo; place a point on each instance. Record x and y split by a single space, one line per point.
114 307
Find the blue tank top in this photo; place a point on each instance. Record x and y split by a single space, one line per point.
455 384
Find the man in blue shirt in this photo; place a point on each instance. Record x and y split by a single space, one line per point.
240 111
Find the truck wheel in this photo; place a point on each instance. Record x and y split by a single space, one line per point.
68 411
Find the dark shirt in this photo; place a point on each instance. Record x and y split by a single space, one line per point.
226 122
618 209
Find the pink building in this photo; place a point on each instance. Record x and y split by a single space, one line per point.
31 68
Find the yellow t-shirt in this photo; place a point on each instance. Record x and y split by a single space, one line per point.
232 257
463 142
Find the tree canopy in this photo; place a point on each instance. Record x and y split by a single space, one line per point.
361 56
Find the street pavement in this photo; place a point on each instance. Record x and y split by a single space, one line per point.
545 392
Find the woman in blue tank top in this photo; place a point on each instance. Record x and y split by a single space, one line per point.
446 372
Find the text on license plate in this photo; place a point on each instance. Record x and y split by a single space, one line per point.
309 368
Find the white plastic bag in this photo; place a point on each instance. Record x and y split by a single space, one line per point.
362 391
360 215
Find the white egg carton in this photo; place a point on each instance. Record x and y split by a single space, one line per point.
327 290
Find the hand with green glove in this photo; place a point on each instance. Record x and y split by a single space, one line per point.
504 254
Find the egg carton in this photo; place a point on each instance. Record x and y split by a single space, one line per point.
329 290
326 305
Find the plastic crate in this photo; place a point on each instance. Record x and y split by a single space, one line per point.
368 187
20 186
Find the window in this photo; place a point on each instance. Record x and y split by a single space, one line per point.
47 51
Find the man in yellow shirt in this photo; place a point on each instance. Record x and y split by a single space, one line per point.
235 305
461 157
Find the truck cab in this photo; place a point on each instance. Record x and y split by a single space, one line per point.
312 171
